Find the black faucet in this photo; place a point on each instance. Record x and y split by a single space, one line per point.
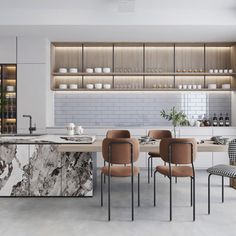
31 129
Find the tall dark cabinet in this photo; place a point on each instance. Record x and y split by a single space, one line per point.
8 96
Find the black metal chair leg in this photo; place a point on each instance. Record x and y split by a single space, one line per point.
170 198
194 201
138 189
222 189
132 191
176 177
151 165
109 197
209 194
191 191
149 169
101 189
104 175
155 188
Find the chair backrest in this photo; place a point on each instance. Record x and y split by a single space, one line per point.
232 151
118 134
178 150
120 150
159 134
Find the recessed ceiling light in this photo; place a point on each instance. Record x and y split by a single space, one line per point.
126 6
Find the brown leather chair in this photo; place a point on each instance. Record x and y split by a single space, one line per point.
156 134
179 151
116 134
120 151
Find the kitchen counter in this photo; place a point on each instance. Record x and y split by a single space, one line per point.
34 166
47 165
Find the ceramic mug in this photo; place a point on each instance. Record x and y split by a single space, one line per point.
70 129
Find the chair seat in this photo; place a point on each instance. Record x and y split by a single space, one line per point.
120 171
223 170
154 154
177 171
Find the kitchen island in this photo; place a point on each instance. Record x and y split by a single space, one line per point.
34 166
50 166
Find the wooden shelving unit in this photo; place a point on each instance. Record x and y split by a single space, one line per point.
144 66
8 111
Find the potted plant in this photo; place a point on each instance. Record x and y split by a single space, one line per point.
176 117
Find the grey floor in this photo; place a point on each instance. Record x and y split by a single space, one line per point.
63 216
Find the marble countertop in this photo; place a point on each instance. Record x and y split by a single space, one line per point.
35 139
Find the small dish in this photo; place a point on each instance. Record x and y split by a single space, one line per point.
225 86
106 70
73 86
98 86
73 70
62 86
89 86
212 86
89 70
107 86
62 70
98 70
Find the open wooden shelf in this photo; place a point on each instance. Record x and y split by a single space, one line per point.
147 89
144 64
145 74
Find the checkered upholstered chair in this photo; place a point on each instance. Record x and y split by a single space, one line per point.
223 171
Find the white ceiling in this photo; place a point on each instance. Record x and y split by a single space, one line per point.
105 4
91 20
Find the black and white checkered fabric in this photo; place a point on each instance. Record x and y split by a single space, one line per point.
232 150
223 170
226 170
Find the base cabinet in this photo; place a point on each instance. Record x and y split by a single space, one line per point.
42 171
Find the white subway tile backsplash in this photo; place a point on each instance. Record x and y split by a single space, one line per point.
123 109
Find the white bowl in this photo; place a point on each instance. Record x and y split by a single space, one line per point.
89 86
189 86
216 70
62 70
194 86
10 88
106 70
98 86
230 70
211 71
180 86
226 71
73 86
89 70
221 71
199 86
98 70
225 86
73 70
185 86
107 86
62 86
212 86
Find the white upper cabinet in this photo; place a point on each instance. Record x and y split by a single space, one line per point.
31 50
7 50
31 96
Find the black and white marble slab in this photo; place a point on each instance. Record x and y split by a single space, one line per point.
35 167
